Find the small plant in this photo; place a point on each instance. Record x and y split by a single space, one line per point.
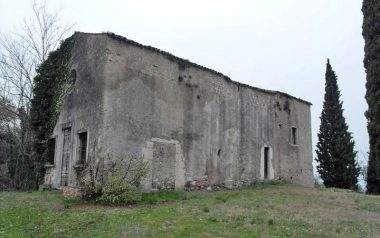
221 198
205 209
271 222
68 202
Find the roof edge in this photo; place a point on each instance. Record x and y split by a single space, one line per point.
186 62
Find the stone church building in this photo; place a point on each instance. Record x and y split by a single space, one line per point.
192 124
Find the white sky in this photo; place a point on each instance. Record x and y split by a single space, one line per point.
273 44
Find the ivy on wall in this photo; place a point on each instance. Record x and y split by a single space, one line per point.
50 86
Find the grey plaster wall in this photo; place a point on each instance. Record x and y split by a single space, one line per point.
82 108
193 125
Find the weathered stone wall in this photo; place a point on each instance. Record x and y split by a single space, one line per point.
221 126
294 162
193 125
82 108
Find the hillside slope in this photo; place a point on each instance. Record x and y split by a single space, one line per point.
260 211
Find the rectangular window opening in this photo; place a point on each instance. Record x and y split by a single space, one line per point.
294 136
51 150
266 158
82 146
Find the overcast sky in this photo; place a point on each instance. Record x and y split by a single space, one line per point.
273 44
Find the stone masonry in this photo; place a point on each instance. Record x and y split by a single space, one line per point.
192 124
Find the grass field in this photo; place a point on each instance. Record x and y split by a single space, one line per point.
262 211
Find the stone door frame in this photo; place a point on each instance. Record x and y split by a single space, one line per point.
179 164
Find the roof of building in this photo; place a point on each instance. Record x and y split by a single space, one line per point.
185 62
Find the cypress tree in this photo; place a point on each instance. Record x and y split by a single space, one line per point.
335 147
371 34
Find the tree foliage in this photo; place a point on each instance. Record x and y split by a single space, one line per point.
335 147
371 34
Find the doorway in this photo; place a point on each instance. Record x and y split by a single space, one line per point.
65 156
266 163
266 158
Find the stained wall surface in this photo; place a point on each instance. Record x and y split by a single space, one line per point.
193 125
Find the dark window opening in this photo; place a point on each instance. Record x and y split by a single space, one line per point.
266 160
51 150
219 152
73 76
82 146
294 136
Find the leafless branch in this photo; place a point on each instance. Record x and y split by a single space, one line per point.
22 52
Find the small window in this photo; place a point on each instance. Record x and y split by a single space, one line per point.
51 150
82 146
294 136
73 76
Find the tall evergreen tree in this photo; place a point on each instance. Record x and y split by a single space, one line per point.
335 147
371 34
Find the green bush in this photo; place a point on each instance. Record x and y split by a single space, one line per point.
114 180
119 191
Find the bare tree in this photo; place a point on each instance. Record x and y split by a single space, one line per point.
21 52
363 162
45 33
24 50
17 71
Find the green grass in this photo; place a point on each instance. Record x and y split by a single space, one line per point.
164 196
262 211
